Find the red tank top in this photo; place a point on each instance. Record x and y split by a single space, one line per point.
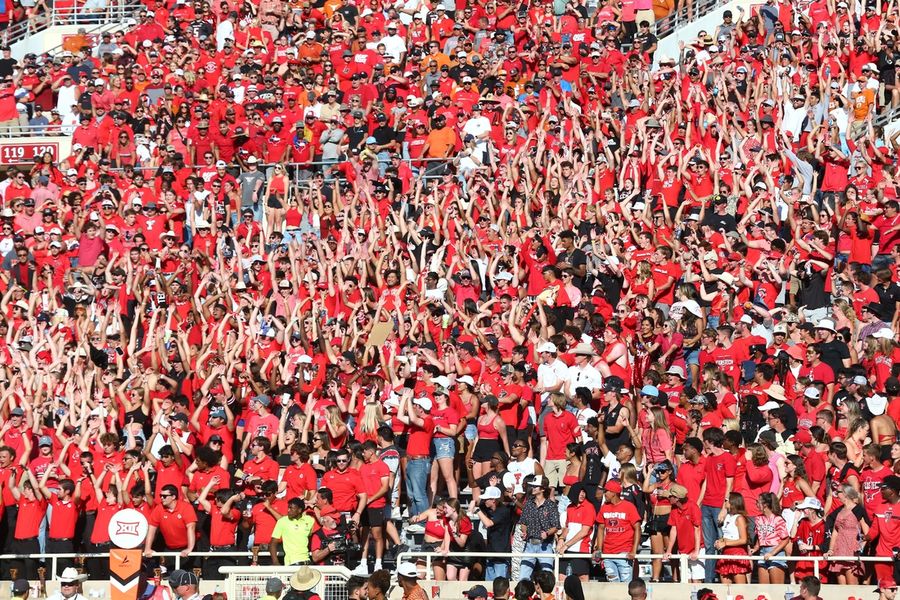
487 431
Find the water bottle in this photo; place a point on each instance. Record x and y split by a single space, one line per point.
693 592
728 595
788 594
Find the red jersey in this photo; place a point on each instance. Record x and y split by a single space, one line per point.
618 524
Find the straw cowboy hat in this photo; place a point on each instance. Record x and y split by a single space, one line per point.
305 579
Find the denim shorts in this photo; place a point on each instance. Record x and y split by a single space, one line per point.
471 431
776 560
443 447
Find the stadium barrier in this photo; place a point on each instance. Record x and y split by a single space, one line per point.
249 583
681 559
115 12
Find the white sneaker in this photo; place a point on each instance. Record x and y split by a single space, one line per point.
415 528
466 490
362 569
377 565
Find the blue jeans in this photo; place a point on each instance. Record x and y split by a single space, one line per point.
496 568
528 564
711 532
618 570
417 471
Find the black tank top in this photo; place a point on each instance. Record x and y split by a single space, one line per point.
610 418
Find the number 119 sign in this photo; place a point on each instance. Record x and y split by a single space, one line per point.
12 153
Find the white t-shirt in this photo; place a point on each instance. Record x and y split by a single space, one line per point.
588 377
583 415
519 471
476 127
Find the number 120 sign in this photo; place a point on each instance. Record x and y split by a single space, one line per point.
12 153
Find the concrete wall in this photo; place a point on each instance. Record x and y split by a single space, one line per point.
687 32
52 37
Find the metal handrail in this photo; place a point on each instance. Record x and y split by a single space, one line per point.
116 12
674 20
54 558
35 131
683 559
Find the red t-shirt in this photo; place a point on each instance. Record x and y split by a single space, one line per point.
684 520
201 478
172 524
223 527
560 430
691 476
371 474
419 443
577 515
266 469
105 512
618 523
345 488
31 513
718 469
299 480
264 521
171 475
62 519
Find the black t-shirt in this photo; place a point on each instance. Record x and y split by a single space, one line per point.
593 465
887 67
612 286
888 296
834 353
499 537
7 65
719 222
357 136
646 41
384 135
812 290
576 258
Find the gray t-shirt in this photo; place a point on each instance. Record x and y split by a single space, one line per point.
248 181
330 141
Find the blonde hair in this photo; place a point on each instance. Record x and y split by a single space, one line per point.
559 400
658 419
372 418
333 416
628 474
643 270
846 309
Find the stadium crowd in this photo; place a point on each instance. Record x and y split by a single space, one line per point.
324 282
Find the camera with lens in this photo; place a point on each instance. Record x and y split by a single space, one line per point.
345 546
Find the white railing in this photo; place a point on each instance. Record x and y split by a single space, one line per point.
55 558
679 17
35 131
115 12
249 583
681 559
